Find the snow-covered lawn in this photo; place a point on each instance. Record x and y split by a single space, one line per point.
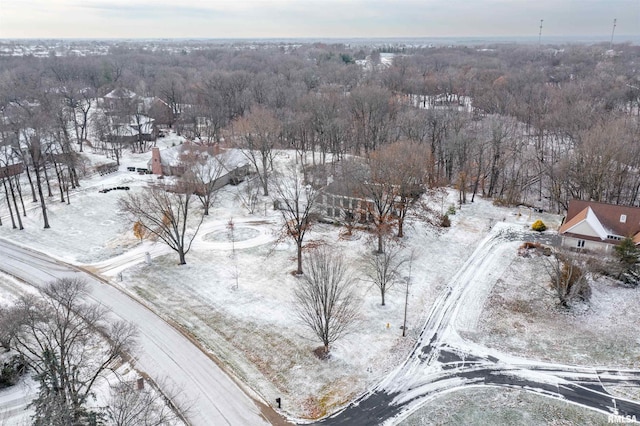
501 407
253 329
521 317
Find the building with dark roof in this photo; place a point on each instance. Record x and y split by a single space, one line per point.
599 226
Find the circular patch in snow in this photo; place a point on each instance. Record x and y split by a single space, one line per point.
246 235
90 213
107 222
74 232
239 234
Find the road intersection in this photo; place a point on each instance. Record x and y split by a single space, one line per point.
442 361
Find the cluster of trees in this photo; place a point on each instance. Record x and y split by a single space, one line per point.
326 299
69 345
520 123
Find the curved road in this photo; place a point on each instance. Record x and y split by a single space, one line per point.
210 396
442 361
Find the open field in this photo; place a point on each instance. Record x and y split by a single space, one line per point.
501 407
521 317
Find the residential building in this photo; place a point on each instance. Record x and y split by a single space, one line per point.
599 226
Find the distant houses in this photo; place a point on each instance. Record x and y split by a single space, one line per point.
131 118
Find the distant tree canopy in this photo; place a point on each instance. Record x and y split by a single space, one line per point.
519 123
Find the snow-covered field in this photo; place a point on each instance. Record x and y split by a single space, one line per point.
252 328
501 407
522 317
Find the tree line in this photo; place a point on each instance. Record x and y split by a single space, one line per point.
518 123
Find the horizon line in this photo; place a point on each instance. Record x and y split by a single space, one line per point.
249 38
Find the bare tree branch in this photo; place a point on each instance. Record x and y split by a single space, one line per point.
164 212
325 299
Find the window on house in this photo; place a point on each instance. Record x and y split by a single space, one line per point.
580 243
623 218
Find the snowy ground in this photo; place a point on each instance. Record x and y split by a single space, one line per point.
501 407
521 317
252 329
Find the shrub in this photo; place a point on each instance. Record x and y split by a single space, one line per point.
628 262
539 226
445 222
451 210
11 368
538 248
527 245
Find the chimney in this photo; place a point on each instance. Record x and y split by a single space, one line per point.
156 161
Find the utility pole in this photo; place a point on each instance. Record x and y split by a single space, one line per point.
407 280
613 30
540 33
232 236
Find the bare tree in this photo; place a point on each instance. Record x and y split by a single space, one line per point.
10 322
131 406
208 107
373 114
249 194
69 344
376 187
30 124
34 149
402 169
568 280
383 269
295 201
325 299
164 212
259 133
9 173
171 87
202 172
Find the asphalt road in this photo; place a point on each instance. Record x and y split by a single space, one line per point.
209 394
442 361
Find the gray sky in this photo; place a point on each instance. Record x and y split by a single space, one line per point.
313 18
